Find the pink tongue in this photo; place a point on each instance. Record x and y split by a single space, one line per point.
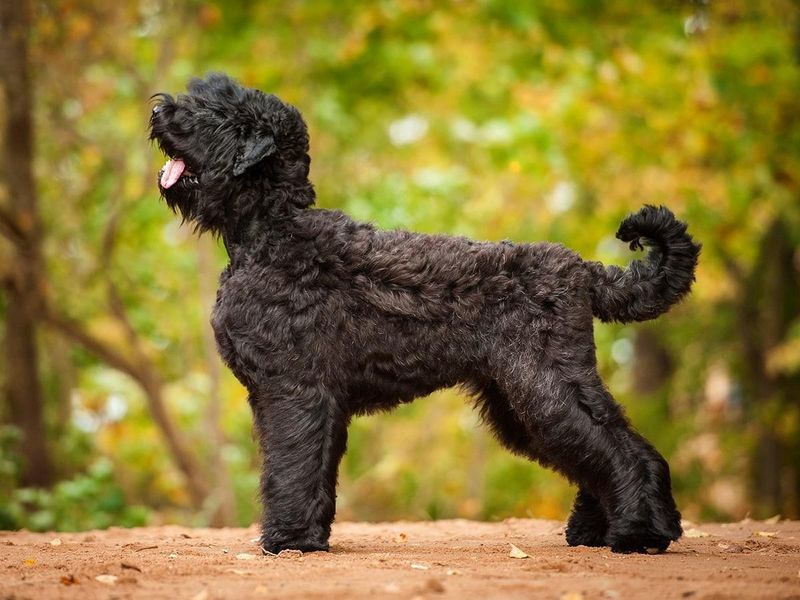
172 172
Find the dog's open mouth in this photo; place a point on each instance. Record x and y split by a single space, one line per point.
173 170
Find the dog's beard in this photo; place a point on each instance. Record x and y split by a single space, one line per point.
181 195
197 202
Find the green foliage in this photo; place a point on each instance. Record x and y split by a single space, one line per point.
89 500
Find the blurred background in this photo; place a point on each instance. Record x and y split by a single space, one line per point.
492 119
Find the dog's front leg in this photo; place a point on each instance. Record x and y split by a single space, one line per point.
303 435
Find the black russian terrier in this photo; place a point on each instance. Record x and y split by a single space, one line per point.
322 318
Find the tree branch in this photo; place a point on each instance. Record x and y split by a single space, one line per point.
10 228
117 308
76 332
150 383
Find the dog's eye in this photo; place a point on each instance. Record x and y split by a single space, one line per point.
156 108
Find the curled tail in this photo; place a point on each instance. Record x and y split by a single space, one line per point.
649 287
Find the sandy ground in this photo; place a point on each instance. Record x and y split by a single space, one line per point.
444 559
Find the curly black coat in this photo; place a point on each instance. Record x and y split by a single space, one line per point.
323 318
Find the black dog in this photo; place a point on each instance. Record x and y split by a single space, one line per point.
323 318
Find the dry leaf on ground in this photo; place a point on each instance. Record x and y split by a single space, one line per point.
766 534
695 533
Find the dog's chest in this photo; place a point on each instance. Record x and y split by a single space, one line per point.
262 319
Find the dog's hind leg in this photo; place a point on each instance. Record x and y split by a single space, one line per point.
303 435
588 523
575 427
497 413
641 510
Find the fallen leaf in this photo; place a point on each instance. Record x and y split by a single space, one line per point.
435 586
107 579
400 538
516 552
774 520
419 566
695 533
766 534
731 548
55 542
245 556
188 537
290 553
69 579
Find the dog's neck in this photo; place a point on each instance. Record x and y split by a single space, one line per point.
270 215
236 239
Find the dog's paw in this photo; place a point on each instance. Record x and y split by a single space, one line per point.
642 539
586 534
587 525
648 544
273 546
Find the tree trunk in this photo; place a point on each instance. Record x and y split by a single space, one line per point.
179 450
224 509
767 308
23 390
653 364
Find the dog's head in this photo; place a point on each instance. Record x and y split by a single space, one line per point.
232 151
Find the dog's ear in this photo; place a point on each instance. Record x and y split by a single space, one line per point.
256 149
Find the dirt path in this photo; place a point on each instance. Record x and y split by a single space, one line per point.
444 559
